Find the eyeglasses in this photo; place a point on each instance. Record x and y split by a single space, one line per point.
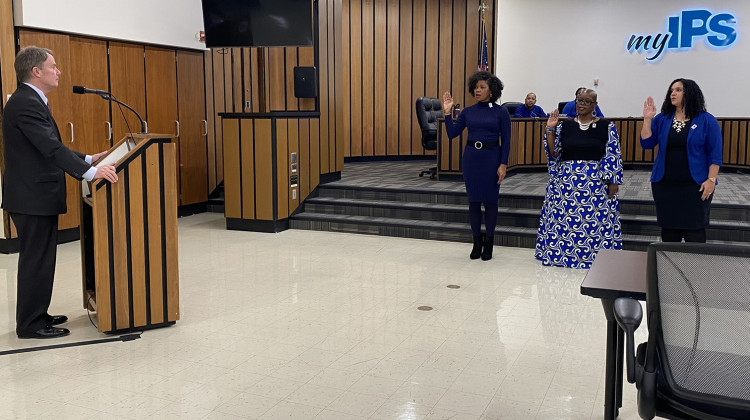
585 102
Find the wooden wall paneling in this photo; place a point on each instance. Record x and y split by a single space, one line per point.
368 78
293 146
276 79
292 103
137 237
314 153
153 197
742 134
60 100
331 98
459 76
407 102
472 46
356 92
282 167
338 65
8 81
263 170
90 118
306 59
127 79
247 91
391 98
345 110
232 170
257 96
380 91
304 157
161 90
418 68
238 92
326 44
191 105
220 106
727 142
228 80
247 169
432 27
210 120
444 57
489 17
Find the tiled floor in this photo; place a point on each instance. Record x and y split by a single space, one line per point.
322 325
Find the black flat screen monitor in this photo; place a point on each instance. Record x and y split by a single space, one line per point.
258 23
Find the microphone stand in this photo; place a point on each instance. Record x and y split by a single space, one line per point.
109 97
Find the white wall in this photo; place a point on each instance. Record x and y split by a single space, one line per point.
163 22
552 47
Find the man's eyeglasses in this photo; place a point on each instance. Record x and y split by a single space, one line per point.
585 102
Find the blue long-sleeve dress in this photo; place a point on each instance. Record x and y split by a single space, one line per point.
578 218
487 123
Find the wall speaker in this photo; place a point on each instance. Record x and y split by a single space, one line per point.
305 82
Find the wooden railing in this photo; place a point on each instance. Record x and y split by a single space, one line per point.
526 147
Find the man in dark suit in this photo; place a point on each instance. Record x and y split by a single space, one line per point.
34 187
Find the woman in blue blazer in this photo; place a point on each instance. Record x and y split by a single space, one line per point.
687 163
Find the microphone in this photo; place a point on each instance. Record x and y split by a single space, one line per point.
80 90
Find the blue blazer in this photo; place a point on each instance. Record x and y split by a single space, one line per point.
704 144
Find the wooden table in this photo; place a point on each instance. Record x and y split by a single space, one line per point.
614 274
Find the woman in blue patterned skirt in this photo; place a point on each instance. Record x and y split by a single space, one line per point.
580 215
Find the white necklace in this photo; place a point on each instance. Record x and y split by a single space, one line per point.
585 126
679 125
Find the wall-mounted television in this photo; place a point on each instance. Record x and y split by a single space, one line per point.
258 23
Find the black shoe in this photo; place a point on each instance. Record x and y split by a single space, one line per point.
487 251
477 250
57 319
46 332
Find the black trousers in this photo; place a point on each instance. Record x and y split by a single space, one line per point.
37 236
676 235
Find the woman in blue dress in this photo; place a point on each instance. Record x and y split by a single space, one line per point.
485 158
580 215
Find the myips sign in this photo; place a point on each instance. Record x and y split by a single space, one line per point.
682 30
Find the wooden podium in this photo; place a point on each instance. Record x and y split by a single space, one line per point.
129 237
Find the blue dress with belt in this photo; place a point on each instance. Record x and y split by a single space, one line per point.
488 124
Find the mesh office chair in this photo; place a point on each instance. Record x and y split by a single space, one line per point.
511 107
429 110
696 363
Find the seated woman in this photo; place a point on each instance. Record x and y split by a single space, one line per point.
580 214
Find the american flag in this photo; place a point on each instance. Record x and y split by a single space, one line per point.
484 63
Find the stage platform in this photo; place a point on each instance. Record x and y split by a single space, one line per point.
389 198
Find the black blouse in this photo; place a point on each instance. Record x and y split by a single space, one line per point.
676 160
580 144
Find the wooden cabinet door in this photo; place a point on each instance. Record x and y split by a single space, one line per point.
90 112
60 100
128 84
191 97
161 90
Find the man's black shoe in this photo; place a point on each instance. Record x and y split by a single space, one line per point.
46 332
58 319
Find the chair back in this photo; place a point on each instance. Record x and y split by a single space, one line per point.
561 106
429 110
511 107
699 297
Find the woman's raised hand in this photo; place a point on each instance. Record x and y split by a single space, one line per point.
554 118
447 103
649 109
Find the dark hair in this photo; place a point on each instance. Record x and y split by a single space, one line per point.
496 86
28 58
692 99
580 89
